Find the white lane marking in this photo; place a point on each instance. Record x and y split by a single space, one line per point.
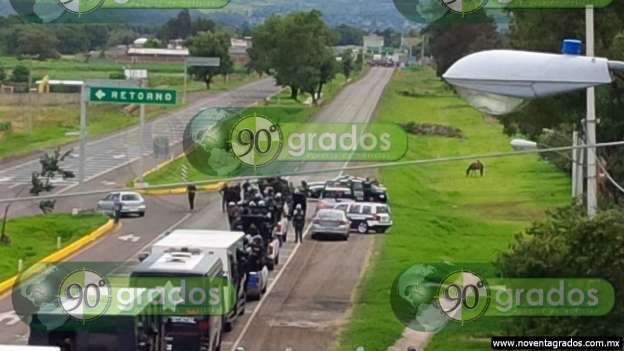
165 232
11 316
268 291
129 237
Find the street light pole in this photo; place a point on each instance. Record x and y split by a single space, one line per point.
590 121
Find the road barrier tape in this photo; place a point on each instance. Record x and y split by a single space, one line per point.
65 252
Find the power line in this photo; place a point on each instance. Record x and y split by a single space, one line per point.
326 170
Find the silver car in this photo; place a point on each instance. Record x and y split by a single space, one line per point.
131 203
330 221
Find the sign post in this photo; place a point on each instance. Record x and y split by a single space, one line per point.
83 134
121 94
201 62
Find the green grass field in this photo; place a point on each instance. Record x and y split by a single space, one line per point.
442 215
33 238
49 124
280 109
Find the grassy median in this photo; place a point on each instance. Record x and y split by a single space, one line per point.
35 128
441 215
35 237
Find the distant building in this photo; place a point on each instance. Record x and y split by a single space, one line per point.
145 55
238 50
373 43
139 42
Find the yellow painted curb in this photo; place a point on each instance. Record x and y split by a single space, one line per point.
180 190
65 252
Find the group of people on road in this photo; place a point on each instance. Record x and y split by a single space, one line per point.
256 208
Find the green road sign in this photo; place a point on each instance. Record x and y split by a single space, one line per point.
119 95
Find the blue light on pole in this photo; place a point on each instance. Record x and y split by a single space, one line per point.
572 47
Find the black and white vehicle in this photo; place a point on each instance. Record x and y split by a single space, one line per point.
186 332
229 246
366 216
332 195
132 203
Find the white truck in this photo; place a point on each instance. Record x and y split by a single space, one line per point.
226 245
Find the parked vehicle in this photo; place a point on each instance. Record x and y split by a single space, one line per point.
365 216
331 222
315 189
333 195
131 203
229 246
187 332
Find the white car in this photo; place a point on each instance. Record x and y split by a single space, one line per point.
131 203
365 216
331 222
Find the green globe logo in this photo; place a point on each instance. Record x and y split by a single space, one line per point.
85 295
81 6
464 6
256 140
463 296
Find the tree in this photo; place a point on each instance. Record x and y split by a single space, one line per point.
152 43
391 37
348 35
179 27
2 75
347 63
295 49
567 244
34 40
208 44
121 36
20 74
455 36
50 168
75 40
202 25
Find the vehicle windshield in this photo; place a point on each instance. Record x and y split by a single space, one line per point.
331 216
130 197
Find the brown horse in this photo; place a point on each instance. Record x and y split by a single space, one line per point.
474 167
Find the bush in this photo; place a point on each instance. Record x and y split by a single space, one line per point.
570 245
2 74
20 74
117 75
5 126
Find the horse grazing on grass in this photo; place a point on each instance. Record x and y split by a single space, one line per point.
475 167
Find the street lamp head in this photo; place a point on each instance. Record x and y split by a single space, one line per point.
498 81
523 144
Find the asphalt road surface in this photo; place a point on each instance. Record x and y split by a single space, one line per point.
121 149
310 291
308 303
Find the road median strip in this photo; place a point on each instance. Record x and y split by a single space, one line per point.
64 252
180 189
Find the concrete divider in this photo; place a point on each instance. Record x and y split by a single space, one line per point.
65 252
180 190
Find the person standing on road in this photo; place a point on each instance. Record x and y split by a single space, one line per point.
117 206
298 222
191 189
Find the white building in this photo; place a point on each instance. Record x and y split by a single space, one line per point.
373 42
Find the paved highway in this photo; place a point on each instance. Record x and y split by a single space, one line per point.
311 288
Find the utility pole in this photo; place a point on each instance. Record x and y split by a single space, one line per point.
83 132
141 133
592 186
